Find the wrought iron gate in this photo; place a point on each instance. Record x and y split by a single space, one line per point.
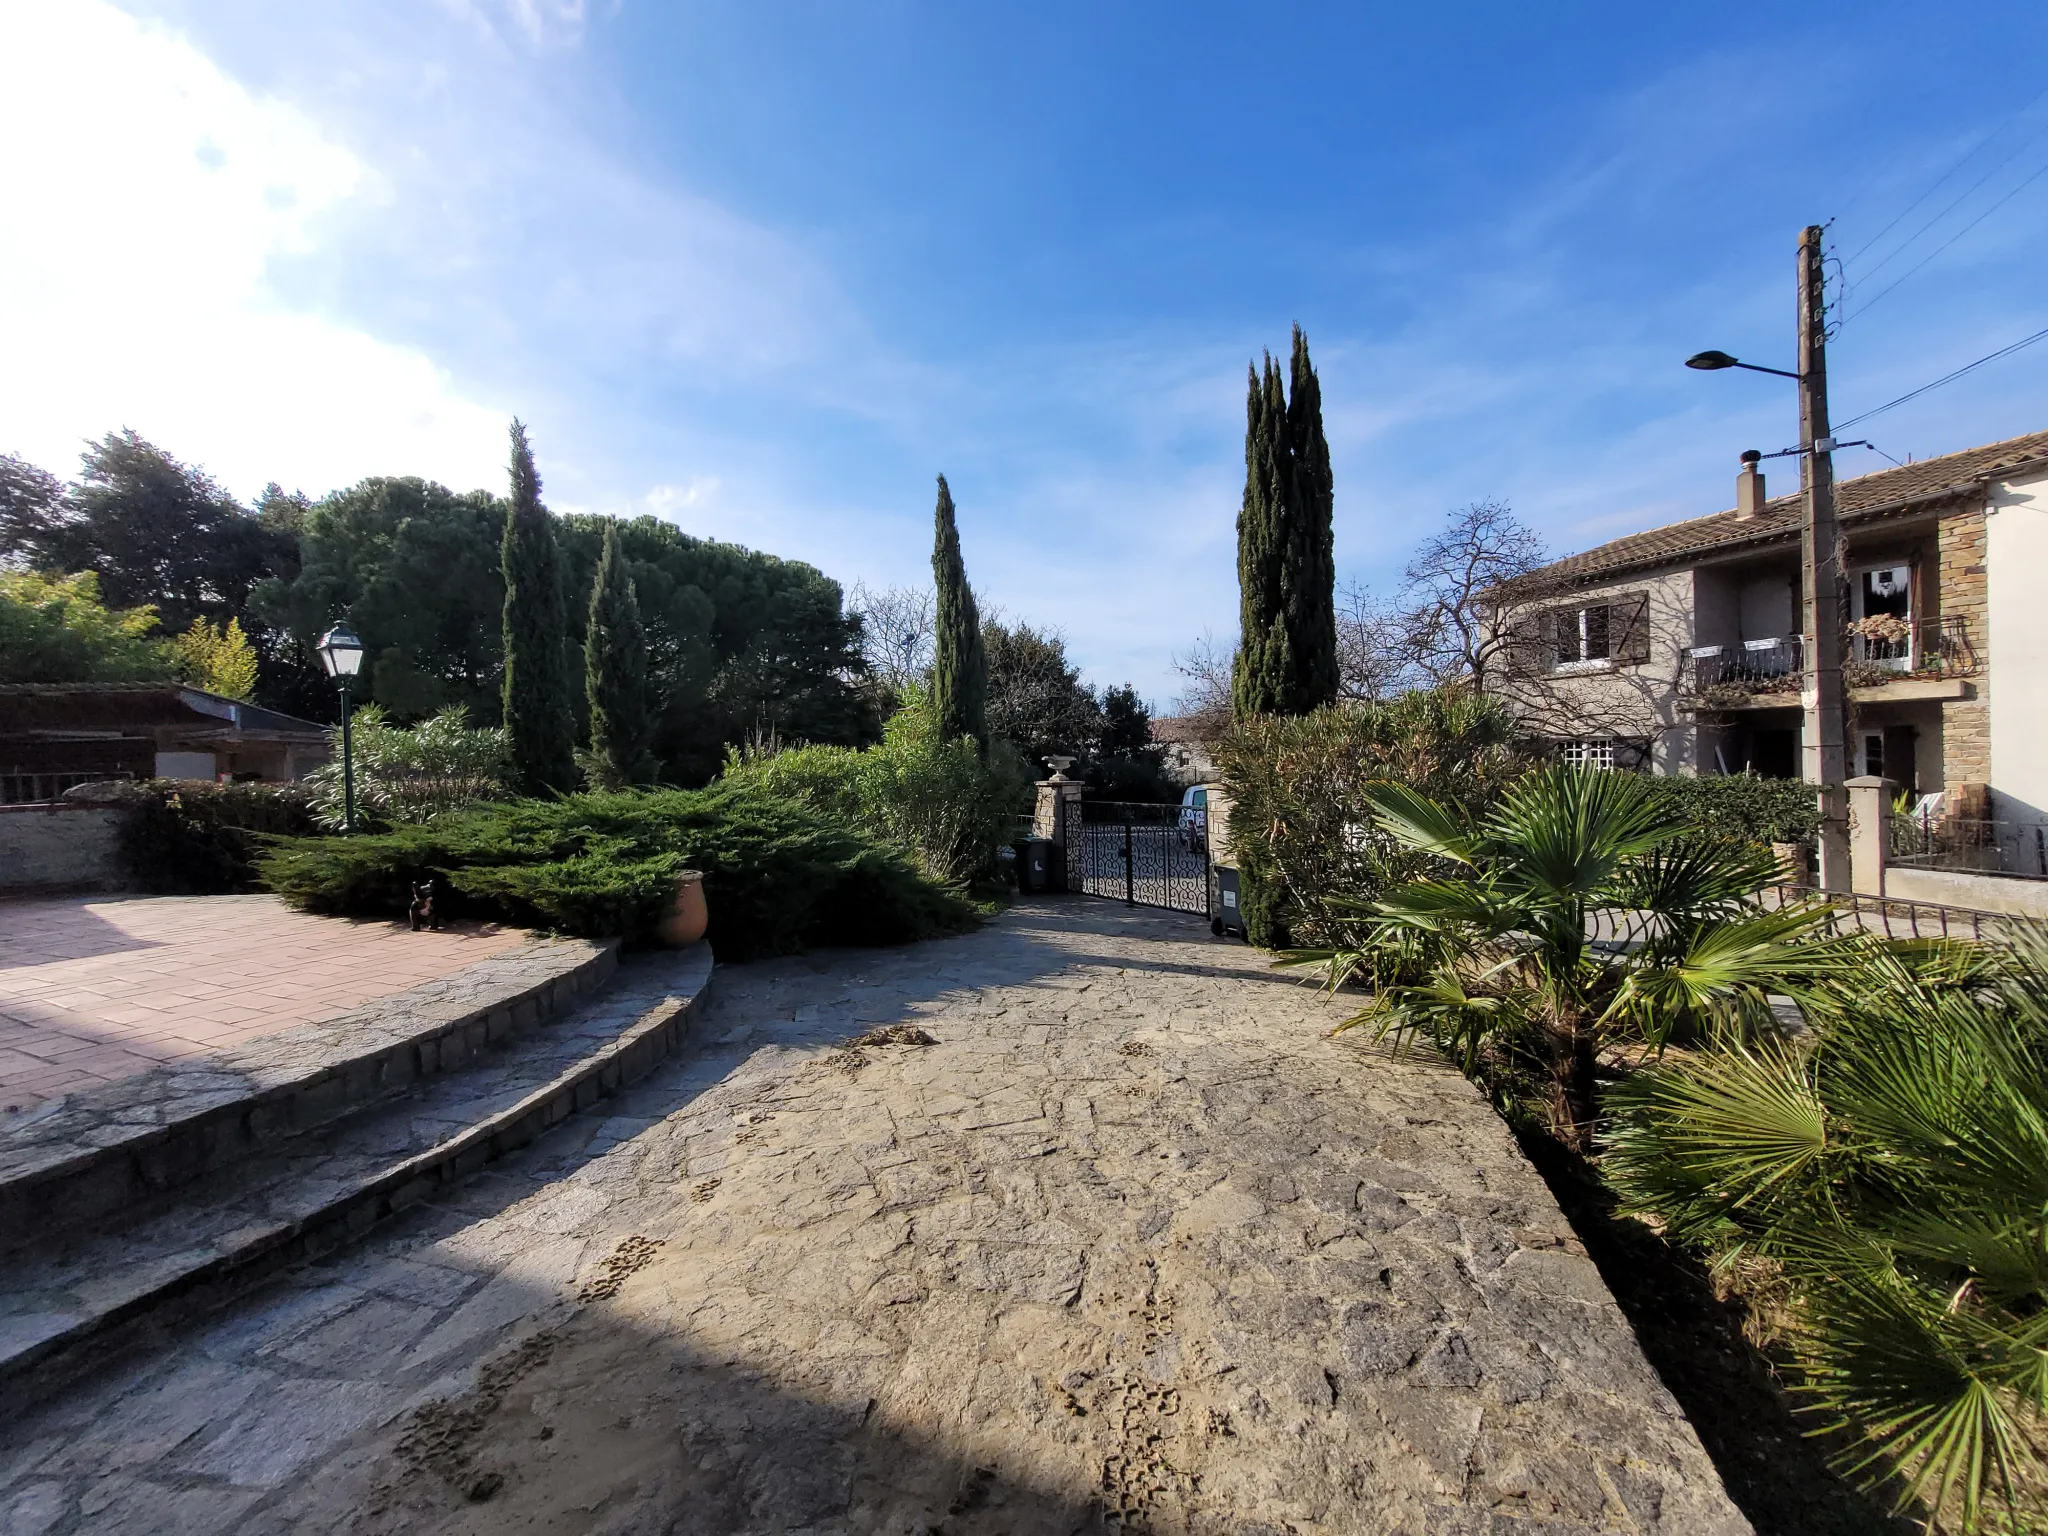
1141 855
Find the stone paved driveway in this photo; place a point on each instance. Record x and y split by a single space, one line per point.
1110 1235
97 989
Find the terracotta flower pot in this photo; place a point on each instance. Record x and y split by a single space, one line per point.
686 917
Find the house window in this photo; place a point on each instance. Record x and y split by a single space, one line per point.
1582 635
1589 752
1881 617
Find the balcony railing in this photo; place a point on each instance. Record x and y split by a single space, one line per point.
1728 676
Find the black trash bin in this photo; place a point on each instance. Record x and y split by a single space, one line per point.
1229 915
1034 864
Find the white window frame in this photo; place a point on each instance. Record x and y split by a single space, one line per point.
1596 753
1583 662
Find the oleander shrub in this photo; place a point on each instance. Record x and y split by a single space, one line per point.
934 797
1301 831
181 838
411 774
780 875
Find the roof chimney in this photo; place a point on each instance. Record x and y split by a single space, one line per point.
1749 487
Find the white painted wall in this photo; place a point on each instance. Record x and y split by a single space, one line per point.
2016 553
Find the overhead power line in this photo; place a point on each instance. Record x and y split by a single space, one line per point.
1939 181
1951 240
1956 203
1946 378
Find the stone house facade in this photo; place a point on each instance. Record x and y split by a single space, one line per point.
1677 650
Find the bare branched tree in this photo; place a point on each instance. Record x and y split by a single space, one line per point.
1456 622
1205 699
898 631
1374 660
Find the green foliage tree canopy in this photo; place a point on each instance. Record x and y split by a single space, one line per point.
55 629
1035 694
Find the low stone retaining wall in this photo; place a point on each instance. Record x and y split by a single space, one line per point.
45 849
1956 888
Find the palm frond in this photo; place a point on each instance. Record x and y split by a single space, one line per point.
1418 822
1565 831
1747 1123
1720 972
1692 874
1922 1381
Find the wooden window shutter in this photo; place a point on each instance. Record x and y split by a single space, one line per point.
1628 628
1528 643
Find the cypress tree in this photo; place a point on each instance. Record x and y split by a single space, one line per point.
1312 553
1286 567
615 673
959 665
539 718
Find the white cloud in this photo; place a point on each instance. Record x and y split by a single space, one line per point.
149 196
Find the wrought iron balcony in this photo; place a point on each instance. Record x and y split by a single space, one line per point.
1731 676
1928 648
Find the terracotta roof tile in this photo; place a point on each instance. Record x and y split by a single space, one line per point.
1779 519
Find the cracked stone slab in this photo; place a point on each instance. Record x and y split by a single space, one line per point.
1255 1280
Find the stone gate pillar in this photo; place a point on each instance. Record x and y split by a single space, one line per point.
1059 806
1870 801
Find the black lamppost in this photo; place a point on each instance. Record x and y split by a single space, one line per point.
341 653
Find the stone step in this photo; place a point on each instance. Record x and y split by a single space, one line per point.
71 1295
93 1154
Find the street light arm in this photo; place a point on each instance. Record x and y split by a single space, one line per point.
1757 368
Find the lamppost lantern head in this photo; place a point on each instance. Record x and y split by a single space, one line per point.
1709 361
341 651
1752 457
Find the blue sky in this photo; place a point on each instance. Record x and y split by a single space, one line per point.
766 268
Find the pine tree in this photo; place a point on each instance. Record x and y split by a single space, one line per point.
615 673
959 665
540 722
1286 569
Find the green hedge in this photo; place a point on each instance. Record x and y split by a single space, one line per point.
1743 806
780 876
199 839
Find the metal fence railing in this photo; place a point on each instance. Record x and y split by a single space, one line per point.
1893 918
2016 849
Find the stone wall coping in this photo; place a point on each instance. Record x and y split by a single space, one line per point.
92 1153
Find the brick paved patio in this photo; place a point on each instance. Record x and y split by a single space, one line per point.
94 990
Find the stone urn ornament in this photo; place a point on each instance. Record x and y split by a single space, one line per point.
686 917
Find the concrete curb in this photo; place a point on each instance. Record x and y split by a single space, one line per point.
274 1096
348 1214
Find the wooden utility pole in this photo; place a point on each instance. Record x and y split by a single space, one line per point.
1824 761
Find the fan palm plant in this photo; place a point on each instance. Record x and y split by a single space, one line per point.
1579 910
1894 1166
